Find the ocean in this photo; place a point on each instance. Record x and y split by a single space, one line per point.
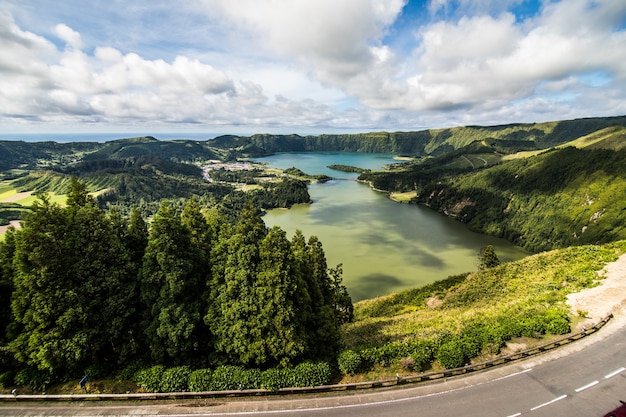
101 137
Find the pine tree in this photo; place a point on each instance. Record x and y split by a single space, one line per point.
234 307
280 335
170 284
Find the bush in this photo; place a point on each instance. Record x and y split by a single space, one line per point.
274 379
150 378
451 354
349 362
97 372
227 377
175 379
200 380
33 378
129 372
250 379
309 374
557 322
422 354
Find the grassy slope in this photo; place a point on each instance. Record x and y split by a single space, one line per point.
491 301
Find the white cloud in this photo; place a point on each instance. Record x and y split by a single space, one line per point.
336 40
312 62
71 37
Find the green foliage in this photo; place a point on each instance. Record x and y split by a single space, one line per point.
452 354
228 377
349 362
175 379
128 372
478 313
33 378
150 379
170 284
310 374
274 379
487 258
200 380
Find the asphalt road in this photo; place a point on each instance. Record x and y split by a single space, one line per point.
587 378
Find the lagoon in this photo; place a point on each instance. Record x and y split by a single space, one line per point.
384 246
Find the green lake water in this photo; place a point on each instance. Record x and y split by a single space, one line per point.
384 246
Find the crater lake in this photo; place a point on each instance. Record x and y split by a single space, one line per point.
384 246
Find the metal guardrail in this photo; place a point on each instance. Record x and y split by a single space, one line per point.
430 376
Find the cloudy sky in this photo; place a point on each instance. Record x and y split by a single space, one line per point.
306 66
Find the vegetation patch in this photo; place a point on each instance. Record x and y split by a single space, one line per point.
476 314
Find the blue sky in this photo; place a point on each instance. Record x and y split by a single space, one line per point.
306 66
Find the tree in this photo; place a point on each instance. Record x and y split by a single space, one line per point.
43 303
233 305
280 335
487 258
7 250
71 276
170 284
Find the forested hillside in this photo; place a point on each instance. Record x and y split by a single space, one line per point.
558 198
509 138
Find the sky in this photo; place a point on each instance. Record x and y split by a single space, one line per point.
306 66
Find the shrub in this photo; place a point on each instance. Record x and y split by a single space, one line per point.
150 378
310 374
129 372
227 377
422 354
200 380
250 379
175 379
349 362
33 378
451 354
556 321
97 372
274 379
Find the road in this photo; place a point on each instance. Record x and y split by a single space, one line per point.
587 378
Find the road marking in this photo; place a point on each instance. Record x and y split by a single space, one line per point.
514 374
515 415
612 374
549 402
589 385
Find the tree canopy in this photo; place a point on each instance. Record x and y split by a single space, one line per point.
87 289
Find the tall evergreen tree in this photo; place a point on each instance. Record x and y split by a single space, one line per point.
71 276
170 284
233 301
44 302
280 334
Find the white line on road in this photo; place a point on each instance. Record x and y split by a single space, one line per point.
515 415
589 385
612 374
549 402
515 374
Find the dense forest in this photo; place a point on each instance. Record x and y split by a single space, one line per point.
86 290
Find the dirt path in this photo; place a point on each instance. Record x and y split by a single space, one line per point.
608 297
14 223
16 197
